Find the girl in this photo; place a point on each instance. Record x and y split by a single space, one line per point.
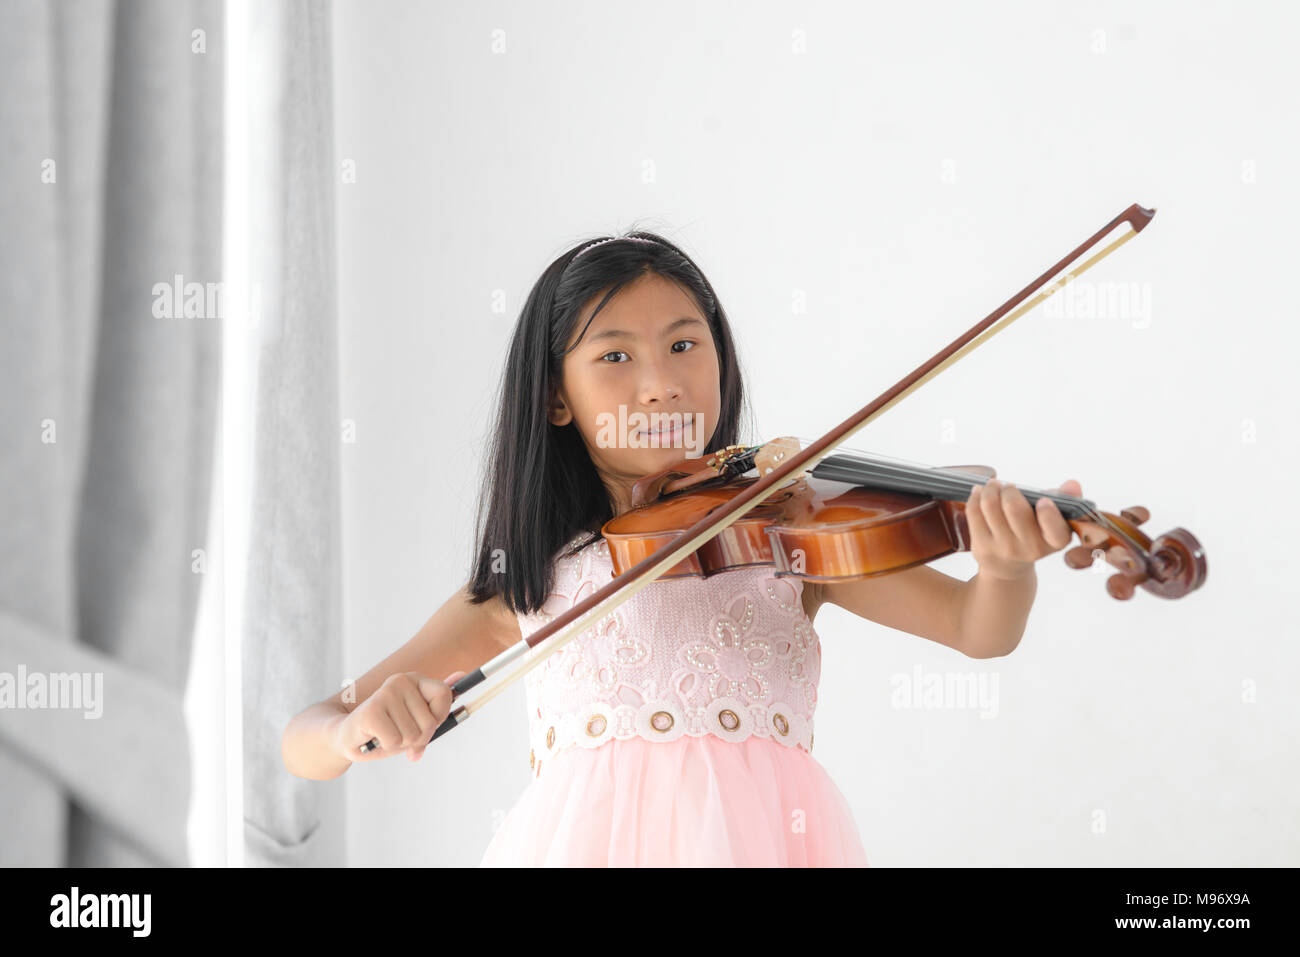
679 729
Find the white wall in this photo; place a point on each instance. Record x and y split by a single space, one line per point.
906 173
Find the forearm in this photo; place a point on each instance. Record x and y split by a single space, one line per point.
305 746
994 612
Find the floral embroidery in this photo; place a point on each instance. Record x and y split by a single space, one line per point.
732 655
781 591
733 662
604 656
597 655
796 647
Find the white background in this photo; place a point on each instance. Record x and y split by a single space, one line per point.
862 183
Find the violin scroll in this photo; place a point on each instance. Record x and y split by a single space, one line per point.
1170 566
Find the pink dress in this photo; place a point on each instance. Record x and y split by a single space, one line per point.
677 732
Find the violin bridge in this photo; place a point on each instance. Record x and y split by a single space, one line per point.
775 452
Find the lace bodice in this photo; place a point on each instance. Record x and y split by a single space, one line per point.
731 655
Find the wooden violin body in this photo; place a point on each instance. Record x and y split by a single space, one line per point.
829 530
813 529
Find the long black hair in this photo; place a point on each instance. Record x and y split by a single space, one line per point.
541 487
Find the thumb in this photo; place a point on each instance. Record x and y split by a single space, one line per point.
438 693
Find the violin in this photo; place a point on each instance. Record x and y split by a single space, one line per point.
882 517
856 516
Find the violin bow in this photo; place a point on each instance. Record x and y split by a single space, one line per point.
774 469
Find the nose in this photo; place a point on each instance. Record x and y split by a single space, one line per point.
658 385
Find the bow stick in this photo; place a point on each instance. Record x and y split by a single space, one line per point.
773 469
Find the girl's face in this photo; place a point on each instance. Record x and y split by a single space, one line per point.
643 385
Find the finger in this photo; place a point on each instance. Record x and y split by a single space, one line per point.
1069 487
991 504
452 678
434 692
386 733
401 717
1024 524
1055 529
979 529
422 713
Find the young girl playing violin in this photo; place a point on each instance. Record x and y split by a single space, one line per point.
678 731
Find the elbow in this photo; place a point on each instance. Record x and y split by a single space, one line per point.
989 650
286 749
305 751
290 743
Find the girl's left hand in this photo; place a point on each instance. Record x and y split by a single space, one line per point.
1008 534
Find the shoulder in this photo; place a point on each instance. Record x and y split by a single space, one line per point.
493 618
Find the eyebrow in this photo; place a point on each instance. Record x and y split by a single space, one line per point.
620 334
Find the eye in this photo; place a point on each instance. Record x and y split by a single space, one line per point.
688 343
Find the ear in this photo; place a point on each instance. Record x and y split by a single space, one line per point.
559 413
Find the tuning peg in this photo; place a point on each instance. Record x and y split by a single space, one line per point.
1135 514
1121 586
1079 557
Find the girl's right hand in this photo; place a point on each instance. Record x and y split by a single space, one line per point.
402 714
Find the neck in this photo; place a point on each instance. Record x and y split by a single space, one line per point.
618 489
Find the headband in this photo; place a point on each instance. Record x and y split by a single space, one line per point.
612 239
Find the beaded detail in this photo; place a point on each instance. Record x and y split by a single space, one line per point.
732 655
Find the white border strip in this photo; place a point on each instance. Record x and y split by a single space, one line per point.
236 424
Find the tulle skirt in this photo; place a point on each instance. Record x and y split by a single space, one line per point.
690 802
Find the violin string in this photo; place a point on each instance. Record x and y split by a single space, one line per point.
860 467
954 485
1071 506
943 481
854 467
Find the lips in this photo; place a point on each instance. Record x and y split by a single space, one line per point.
669 430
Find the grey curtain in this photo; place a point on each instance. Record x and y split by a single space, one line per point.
110 184
292 645
111 146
